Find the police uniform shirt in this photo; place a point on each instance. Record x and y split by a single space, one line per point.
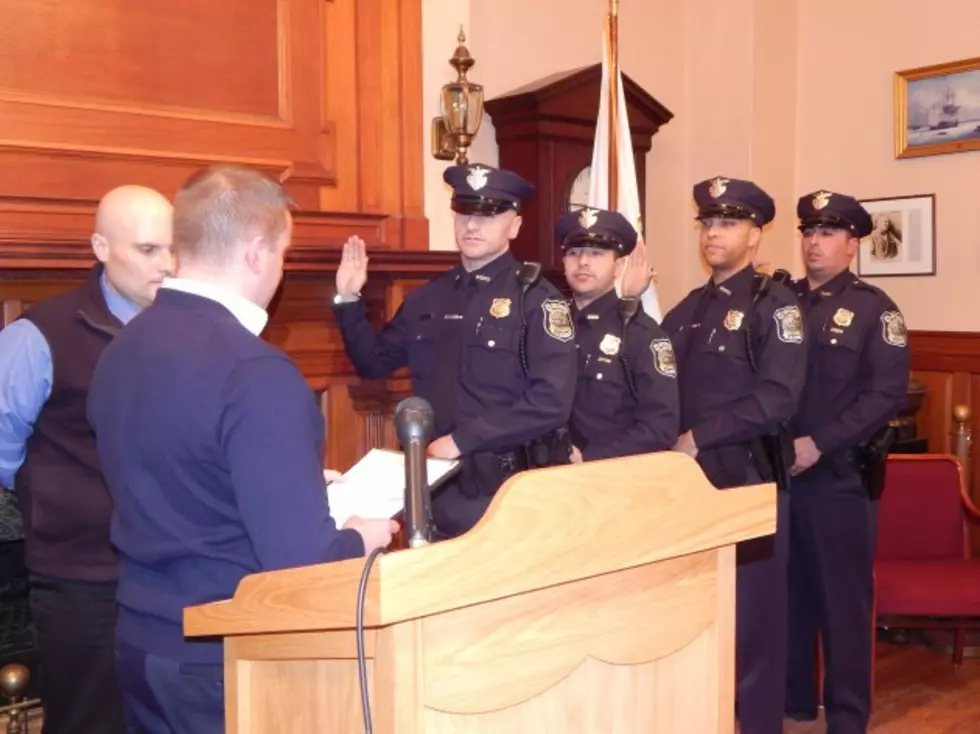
459 335
607 420
858 366
724 399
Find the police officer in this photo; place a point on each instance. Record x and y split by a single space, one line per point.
741 362
857 379
627 400
489 345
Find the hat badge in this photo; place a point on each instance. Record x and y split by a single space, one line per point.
587 218
477 177
821 199
718 187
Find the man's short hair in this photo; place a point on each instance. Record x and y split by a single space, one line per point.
224 206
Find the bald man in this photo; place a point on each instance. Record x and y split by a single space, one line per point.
48 457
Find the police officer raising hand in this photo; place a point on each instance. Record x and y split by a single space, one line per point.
627 400
489 344
352 273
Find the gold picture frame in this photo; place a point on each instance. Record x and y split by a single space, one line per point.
928 113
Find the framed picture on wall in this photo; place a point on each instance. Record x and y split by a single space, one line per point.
937 109
903 241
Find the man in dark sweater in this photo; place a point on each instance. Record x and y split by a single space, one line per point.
48 455
212 447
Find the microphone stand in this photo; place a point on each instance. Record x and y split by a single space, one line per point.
416 494
414 422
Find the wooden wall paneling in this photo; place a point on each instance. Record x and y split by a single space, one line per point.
325 94
932 420
948 364
357 413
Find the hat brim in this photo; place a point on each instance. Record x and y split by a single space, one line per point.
728 211
483 206
828 221
593 240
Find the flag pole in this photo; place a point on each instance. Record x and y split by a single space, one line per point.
612 31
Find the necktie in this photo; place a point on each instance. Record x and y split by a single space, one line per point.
448 344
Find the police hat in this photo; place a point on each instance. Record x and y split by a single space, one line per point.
828 209
732 198
597 228
486 191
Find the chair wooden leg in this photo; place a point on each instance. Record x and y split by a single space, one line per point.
874 633
820 670
959 642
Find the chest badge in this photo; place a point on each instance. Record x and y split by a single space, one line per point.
609 344
733 320
843 317
500 308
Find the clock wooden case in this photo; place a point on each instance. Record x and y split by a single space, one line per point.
546 131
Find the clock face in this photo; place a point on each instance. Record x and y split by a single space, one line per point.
578 192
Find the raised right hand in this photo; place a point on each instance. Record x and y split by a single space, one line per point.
352 273
374 533
637 272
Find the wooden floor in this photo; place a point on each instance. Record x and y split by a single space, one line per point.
918 691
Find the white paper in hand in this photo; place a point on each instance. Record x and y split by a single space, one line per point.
375 486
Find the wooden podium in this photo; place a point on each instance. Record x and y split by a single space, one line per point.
591 599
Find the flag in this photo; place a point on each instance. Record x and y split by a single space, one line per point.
628 189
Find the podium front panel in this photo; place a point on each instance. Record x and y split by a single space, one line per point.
645 650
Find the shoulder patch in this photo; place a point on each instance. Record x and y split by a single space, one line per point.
663 357
789 324
893 329
558 320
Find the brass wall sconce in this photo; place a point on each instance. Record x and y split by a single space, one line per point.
462 110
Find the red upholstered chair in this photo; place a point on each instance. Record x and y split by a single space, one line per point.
925 575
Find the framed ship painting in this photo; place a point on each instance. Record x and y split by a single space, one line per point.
937 109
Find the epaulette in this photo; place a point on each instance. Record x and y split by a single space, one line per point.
858 283
529 273
761 283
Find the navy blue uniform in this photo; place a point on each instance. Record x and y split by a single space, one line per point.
609 418
627 400
742 368
460 337
857 380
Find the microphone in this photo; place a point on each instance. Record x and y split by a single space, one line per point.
413 425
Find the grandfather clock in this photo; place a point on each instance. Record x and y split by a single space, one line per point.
545 132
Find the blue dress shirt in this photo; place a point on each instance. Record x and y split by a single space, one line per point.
26 377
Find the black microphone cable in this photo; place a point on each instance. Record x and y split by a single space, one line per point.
359 629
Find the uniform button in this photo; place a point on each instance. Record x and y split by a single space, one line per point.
491 343
599 376
833 341
721 348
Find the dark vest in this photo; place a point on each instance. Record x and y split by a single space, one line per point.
63 498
